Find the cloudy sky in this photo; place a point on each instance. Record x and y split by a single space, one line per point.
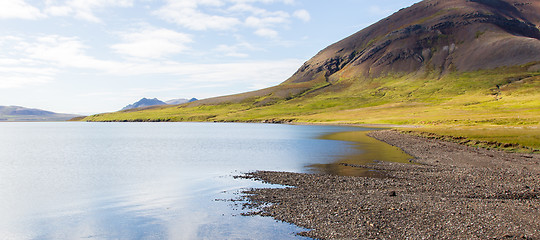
92 56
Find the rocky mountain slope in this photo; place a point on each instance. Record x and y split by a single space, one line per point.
439 35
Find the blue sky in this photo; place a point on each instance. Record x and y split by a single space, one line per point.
92 56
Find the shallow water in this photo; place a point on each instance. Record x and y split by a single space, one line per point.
370 150
148 180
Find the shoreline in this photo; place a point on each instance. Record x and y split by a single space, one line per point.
365 125
453 192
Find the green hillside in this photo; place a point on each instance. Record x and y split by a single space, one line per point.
504 96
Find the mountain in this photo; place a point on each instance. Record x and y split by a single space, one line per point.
144 102
180 101
451 61
436 35
16 113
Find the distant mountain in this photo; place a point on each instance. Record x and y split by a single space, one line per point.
16 113
144 102
180 101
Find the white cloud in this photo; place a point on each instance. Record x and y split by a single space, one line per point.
256 11
264 22
41 59
17 71
242 7
268 20
14 76
253 73
231 51
19 9
288 2
303 15
64 51
22 80
153 43
236 50
186 13
59 10
266 32
228 15
83 9
59 53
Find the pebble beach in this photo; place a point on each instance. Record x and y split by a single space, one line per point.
449 191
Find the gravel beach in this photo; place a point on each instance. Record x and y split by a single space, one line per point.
451 191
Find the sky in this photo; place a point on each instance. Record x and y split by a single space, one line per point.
94 56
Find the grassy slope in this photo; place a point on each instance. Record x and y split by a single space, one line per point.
508 97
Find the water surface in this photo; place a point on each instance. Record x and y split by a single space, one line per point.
147 180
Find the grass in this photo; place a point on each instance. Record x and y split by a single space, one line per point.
512 139
504 100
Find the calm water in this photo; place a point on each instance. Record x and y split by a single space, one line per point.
146 180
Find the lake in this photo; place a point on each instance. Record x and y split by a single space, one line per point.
74 180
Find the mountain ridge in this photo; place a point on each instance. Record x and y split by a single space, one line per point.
146 102
17 113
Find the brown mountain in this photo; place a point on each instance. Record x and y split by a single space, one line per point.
432 35
460 35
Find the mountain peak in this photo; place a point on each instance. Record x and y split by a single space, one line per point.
144 102
147 102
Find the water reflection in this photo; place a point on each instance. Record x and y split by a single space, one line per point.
159 180
369 150
154 211
145 180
